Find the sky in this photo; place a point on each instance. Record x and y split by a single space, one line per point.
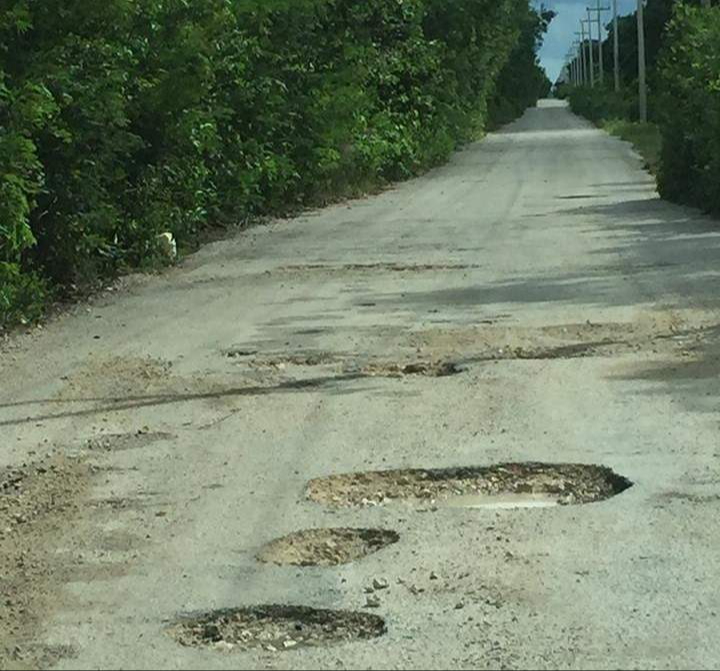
560 36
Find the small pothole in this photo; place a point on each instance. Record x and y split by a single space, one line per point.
280 361
326 547
276 628
423 368
573 351
115 442
528 484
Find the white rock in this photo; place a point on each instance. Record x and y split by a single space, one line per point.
167 245
224 646
380 583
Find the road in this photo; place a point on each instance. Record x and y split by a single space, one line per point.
158 437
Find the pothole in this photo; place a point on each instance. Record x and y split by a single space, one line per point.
657 333
506 485
346 363
427 369
239 352
326 547
112 442
281 361
573 351
276 628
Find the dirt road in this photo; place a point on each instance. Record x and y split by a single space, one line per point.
531 317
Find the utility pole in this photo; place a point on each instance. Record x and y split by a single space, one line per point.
616 46
567 70
579 65
590 49
642 82
572 59
581 57
599 9
570 56
576 65
587 56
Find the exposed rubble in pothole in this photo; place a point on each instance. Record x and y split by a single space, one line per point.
116 442
563 484
117 377
424 368
36 500
279 361
394 267
442 351
344 363
651 333
275 628
326 547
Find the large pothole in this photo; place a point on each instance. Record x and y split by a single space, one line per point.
326 547
655 332
276 628
506 485
345 363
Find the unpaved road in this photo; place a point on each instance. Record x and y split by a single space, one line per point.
532 301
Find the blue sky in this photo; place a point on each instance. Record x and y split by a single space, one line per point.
560 36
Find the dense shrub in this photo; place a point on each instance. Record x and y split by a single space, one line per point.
602 103
690 123
523 81
122 119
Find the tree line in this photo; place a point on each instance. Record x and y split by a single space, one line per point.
124 119
683 65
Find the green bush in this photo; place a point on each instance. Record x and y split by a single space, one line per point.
690 123
123 119
645 138
522 81
22 295
600 104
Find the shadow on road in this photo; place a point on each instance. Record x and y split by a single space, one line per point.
663 254
114 404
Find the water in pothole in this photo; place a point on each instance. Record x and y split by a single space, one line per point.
502 501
